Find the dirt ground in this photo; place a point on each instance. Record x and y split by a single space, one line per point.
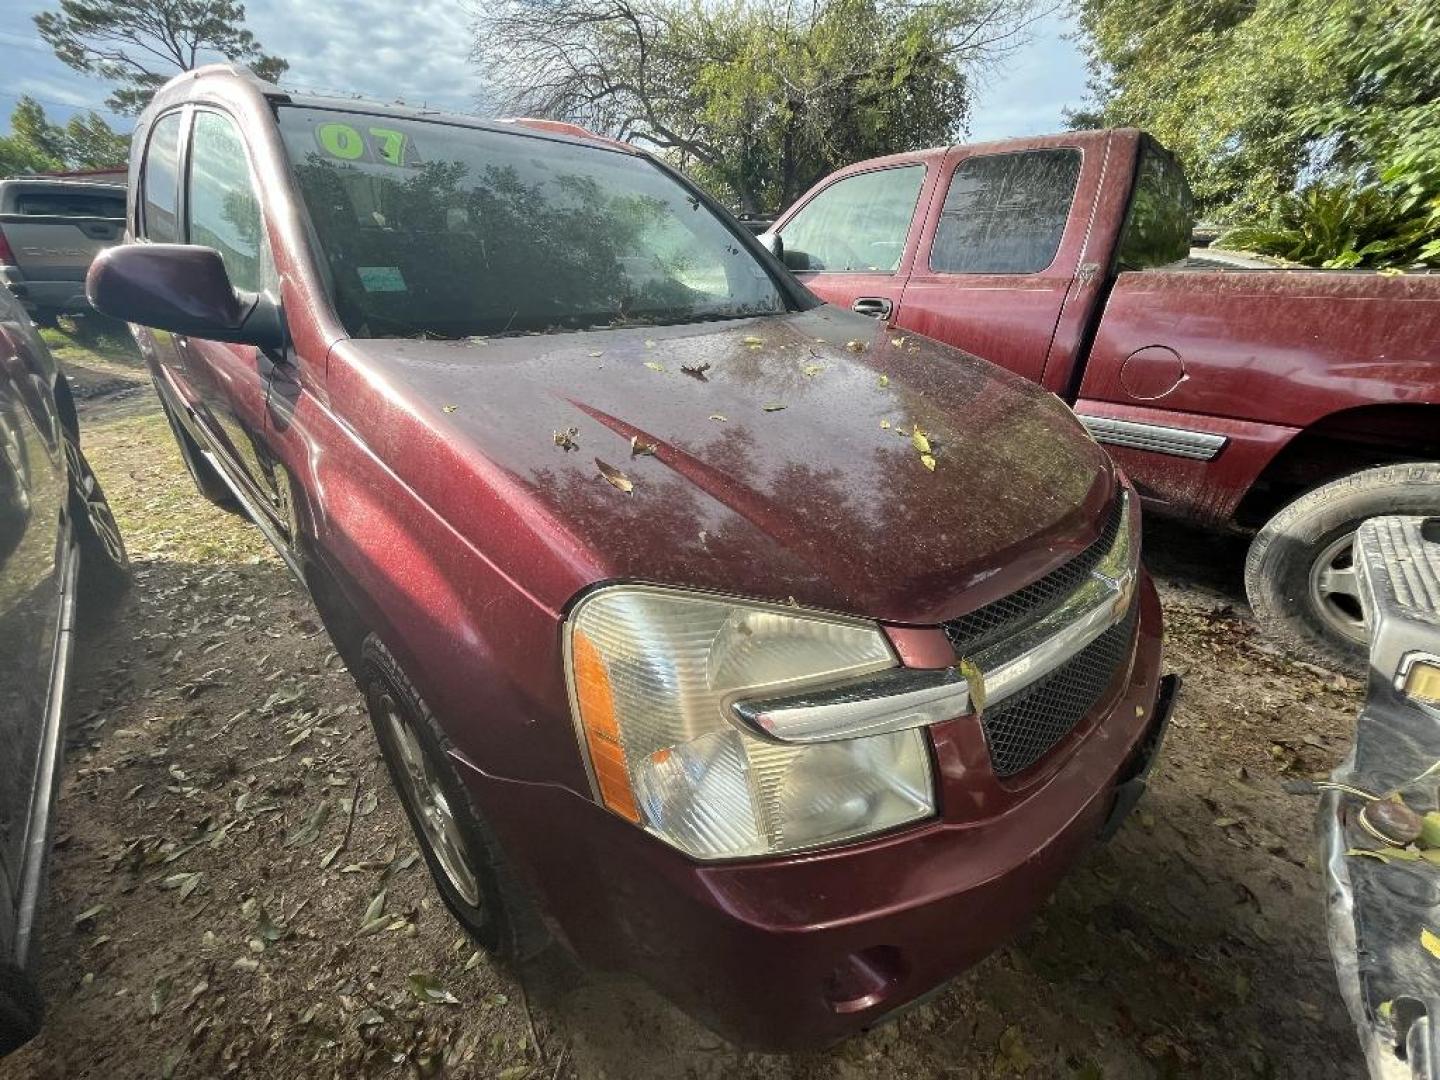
234 889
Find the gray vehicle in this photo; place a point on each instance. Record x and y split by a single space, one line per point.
1380 817
49 232
58 544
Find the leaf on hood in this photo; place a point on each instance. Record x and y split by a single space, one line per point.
856 346
928 460
772 406
449 408
653 366
884 425
1430 941
566 439
884 380
614 477
695 370
717 417
920 440
428 990
641 449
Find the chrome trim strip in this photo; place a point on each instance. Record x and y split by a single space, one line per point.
899 699
47 771
1177 442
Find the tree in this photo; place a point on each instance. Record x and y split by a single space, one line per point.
1259 97
757 98
37 145
140 44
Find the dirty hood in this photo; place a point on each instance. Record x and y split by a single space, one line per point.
777 458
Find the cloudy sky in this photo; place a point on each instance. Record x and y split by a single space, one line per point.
361 46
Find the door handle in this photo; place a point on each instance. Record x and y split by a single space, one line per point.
877 307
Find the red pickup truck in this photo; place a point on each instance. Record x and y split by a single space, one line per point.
1293 404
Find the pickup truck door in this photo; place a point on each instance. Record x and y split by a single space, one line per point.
849 241
1000 251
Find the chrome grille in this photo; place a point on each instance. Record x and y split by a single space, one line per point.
984 626
1023 728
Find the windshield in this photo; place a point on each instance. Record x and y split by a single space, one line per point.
436 230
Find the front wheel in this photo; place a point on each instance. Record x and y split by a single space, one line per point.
104 563
465 860
1300 574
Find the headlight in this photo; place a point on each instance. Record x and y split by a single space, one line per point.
653 674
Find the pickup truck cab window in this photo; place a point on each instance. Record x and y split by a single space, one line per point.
1161 217
440 230
856 225
1005 213
224 210
160 186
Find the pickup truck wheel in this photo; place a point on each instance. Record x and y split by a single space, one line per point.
21 1008
465 860
104 563
1300 574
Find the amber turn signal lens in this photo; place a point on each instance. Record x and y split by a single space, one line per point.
602 733
1422 682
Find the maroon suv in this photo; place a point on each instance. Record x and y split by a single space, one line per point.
733 639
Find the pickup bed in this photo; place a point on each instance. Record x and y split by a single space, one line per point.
1293 404
49 231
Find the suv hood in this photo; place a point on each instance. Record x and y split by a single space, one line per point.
784 462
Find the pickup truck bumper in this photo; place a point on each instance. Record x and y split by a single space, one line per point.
1379 904
57 297
799 952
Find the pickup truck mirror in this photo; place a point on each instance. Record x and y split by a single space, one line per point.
772 243
182 288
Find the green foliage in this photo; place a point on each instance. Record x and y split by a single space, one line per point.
1312 124
141 44
756 98
36 145
1340 226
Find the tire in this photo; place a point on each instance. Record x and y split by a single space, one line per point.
21 1008
1299 574
207 480
104 563
483 893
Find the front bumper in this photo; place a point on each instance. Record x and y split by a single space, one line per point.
801 951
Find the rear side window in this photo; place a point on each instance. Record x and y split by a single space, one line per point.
1005 213
857 224
1161 215
224 209
71 204
160 185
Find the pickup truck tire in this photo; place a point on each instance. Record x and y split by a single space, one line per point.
471 872
1299 574
104 563
21 1008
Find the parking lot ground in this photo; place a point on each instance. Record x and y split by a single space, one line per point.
234 889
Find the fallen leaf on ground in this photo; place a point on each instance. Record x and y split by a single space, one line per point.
1430 941
856 346
884 380
427 990
653 366
566 439
640 449
717 417
450 408
772 406
696 370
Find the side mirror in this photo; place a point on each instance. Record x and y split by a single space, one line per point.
772 243
182 288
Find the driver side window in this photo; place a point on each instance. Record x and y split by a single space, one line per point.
857 224
224 209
